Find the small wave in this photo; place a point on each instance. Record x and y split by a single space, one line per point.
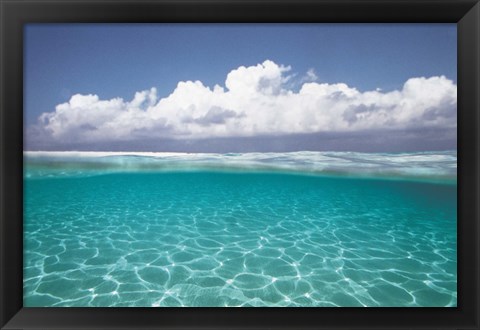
424 166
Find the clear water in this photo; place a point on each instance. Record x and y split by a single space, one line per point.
303 229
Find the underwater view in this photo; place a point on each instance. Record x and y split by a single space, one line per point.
255 229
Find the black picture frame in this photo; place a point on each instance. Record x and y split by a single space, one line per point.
16 13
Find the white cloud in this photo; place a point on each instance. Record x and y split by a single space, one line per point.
311 75
255 100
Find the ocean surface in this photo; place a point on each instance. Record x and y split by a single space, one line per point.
305 229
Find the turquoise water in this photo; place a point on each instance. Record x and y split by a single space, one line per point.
303 230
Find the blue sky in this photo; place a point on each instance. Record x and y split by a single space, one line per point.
118 60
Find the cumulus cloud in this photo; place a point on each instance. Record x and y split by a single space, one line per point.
255 100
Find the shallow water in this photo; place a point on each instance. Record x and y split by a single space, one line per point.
205 237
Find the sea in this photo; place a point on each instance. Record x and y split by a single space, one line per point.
299 229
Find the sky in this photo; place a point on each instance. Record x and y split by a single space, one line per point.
240 87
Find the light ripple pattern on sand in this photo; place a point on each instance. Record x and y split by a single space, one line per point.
242 238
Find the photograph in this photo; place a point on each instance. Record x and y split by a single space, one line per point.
240 165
